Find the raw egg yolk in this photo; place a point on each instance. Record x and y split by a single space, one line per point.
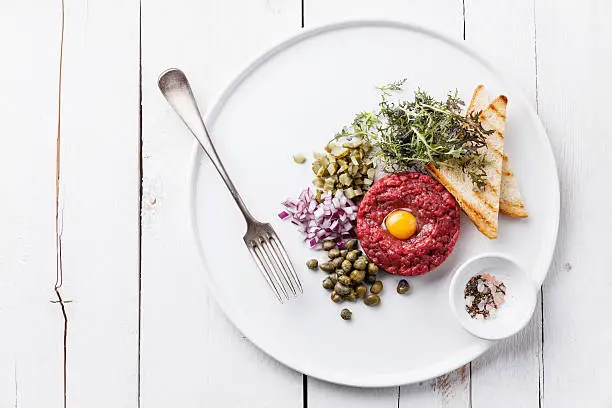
401 224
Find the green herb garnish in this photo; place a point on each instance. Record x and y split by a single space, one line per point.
412 134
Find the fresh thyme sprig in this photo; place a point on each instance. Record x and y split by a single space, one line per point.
412 134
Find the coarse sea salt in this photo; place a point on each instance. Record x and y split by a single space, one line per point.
483 296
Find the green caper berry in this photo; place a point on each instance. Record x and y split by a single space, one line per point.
347 266
372 269
346 314
403 286
333 277
351 296
327 267
358 276
351 244
327 245
377 287
341 289
352 256
361 291
336 298
345 280
343 253
312 264
333 253
360 264
372 299
328 283
370 279
337 262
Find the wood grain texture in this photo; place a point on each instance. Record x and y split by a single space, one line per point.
191 356
574 65
504 33
444 16
98 205
31 369
451 390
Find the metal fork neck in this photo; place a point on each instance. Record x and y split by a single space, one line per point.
176 89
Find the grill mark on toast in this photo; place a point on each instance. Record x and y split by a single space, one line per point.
488 228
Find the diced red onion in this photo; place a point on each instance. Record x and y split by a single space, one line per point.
332 218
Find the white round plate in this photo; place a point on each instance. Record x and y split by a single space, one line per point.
293 99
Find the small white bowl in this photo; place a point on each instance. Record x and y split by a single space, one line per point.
520 299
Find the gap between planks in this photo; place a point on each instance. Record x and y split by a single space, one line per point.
140 194
58 213
537 107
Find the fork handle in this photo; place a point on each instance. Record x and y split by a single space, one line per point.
176 89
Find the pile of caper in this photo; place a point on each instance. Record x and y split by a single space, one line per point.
350 273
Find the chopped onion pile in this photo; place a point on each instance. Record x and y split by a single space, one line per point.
331 219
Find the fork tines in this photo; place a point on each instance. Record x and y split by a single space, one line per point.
273 262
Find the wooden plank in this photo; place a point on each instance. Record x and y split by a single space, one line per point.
322 394
191 356
99 192
504 32
31 367
445 16
574 65
451 390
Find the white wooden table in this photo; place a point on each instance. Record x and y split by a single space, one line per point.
101 298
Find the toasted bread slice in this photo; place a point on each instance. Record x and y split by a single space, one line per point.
481 206
510 202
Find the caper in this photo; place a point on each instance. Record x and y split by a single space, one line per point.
341 289
358 276
333 277
372 299
312 264
346 314
335 297
333 253
327 245
337 262
363 259
328 283
353 255
299 158
351 244
403 286
327 267
372 269
351 296
377 287
360 264
345 280
343 253
361 291
347 266
370 279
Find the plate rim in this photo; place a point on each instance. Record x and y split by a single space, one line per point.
217 103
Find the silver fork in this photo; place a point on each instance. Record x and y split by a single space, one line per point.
266 248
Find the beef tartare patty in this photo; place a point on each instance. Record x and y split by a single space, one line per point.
437 216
